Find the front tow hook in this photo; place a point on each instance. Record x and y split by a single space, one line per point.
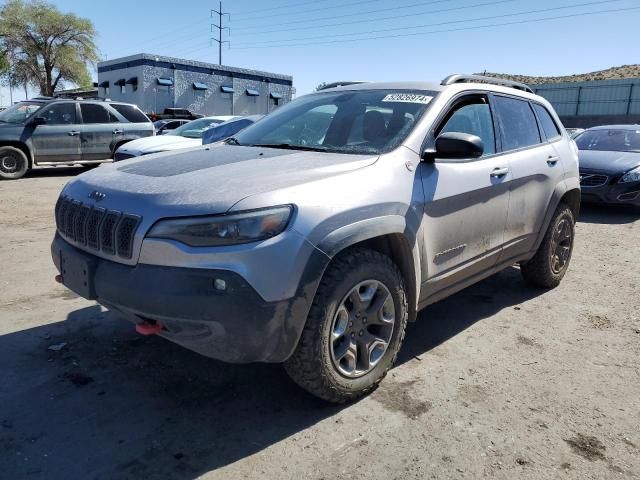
146 328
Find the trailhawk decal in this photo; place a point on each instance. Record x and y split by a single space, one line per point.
407 98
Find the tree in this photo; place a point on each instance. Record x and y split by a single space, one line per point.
47 48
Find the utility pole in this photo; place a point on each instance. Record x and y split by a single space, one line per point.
220 28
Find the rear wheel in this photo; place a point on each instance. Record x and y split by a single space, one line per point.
354 330
547 268
13 163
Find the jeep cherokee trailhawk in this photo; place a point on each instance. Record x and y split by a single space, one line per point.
312 237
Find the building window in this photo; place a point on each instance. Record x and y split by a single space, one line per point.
200 86
252 92
104 85
133 81
121 83
164 84
276 97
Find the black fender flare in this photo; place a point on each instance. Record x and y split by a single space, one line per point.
406 254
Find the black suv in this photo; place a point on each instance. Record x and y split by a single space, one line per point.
47 131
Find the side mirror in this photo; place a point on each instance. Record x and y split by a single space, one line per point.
34 122
455 146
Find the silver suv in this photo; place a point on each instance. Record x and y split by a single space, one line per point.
312 237
47 131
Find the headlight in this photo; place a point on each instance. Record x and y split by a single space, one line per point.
229 229
631 176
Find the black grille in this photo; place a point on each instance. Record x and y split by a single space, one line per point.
111 232
124 235
93 227
592 180
122 156
108 232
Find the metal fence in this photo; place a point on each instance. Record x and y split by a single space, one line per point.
594 98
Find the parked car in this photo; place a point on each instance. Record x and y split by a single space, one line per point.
66 132
313 236
188 135
610 164
227 129
165 126
172 113
574 132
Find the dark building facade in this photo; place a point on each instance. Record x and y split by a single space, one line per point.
154 82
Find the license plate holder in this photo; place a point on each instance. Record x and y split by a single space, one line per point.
77 274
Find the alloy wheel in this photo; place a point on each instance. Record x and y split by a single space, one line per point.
561 245
362 328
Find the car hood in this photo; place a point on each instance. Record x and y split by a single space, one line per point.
205 180
159 143
608 162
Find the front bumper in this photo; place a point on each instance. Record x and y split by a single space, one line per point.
234 324
613 193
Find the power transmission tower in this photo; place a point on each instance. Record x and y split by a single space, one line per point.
220 28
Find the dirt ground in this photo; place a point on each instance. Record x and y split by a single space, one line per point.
500 381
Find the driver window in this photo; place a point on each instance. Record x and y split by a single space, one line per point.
473 117
59 114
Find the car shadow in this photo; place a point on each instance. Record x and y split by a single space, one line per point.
89 398
60 171
608 214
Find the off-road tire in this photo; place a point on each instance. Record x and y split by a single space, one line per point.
538 271
13 163
311 366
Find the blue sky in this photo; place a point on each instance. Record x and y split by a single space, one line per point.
406 48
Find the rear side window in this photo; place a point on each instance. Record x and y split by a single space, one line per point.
93 113
131 113
549 127
517 123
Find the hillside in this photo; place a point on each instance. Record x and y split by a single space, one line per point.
625 71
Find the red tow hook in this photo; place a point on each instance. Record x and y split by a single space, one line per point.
146 328
58 278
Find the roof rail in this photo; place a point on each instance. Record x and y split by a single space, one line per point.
340 84
458 78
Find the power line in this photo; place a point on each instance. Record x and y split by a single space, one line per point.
288 5
477 27
356 14
450 22
354 22
320 9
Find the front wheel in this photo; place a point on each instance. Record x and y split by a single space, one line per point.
354 330
547 268
13 163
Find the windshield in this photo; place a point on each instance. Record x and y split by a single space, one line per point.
614 140
19 112
357 121
195 128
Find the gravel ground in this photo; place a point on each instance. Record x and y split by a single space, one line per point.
499 381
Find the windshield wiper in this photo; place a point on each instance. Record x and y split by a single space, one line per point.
289 146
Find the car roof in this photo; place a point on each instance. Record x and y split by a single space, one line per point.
388 86
615 127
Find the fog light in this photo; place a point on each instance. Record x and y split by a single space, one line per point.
220 284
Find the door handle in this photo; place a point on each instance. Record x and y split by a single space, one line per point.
552 160
499 172
118 131
73 133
